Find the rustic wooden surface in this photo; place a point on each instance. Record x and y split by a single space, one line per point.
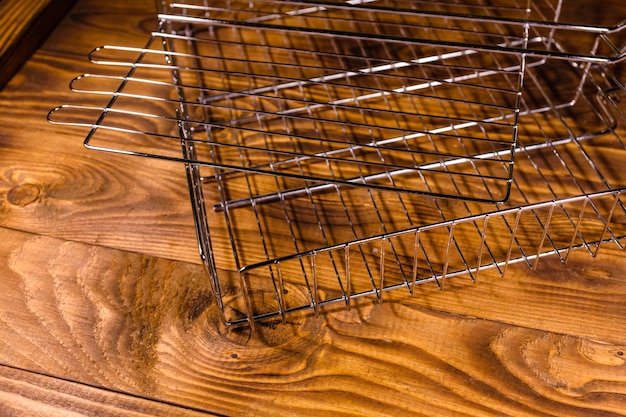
104 309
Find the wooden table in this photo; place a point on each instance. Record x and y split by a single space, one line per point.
105 310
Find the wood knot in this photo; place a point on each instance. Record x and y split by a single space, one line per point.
270 334
573 366
23 194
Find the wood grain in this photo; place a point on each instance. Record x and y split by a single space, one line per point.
24 393
105 310
565 291
57 188
148 327
67 184
24 26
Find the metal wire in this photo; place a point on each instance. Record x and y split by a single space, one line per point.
336 150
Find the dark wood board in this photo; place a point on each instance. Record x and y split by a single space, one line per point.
25 24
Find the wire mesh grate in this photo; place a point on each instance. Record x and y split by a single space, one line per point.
337 149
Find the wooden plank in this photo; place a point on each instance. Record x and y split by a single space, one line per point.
24 393
115 327
148 327
53 184
58 188
24 26
88 196
545 298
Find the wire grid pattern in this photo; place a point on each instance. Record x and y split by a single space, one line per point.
316 159
327 245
